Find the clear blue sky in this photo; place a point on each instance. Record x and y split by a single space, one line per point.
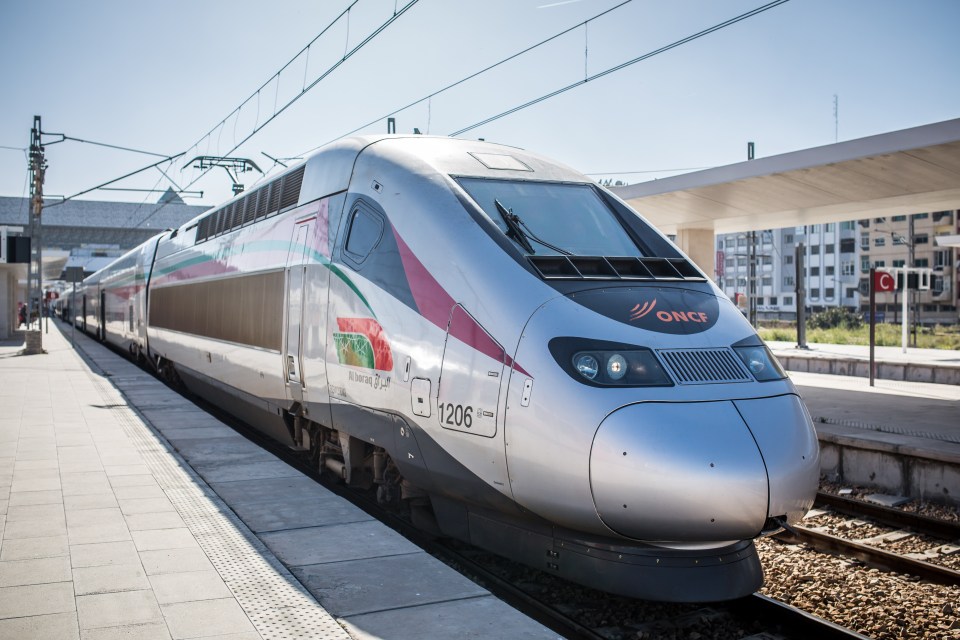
157 76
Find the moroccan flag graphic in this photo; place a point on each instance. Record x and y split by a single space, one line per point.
361 343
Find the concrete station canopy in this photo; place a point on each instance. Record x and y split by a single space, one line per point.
910 171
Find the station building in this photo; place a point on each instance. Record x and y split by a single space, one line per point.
888 200
79 233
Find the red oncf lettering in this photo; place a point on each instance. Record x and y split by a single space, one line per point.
682 316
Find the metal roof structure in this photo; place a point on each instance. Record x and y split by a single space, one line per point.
75 223
909 171
100 214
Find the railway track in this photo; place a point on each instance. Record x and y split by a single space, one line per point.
889 516
756 616
869 549
871 556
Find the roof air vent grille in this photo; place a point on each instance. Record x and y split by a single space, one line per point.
614 268
290 191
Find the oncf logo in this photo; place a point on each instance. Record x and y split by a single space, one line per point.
661 309
675 312
640 311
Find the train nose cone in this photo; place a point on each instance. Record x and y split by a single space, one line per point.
679 472
786 437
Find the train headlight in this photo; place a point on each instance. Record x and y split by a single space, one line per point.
616 367
609 364
761 363
586 365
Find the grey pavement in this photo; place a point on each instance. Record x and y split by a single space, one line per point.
87 529
923 406
919 416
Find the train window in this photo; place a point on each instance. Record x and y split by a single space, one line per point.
366 228
546 218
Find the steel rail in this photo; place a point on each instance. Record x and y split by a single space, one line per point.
890 516
871 555
790 620
774 614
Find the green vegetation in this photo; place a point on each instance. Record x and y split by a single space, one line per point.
837 317
888 335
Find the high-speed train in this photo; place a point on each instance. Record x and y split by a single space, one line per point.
493 339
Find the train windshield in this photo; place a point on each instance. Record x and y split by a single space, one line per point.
545 218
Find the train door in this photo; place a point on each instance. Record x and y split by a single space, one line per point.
83 314
473 366
103 315
293 345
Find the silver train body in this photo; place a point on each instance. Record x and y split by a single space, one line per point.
493 338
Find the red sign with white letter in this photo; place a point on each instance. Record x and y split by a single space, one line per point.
883 281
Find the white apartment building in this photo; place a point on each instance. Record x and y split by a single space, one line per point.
837 258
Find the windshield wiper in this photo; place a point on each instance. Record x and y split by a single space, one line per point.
513 227
515 230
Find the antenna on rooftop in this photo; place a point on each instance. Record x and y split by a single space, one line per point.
836 118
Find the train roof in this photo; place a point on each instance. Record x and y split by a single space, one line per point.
458 157
330 168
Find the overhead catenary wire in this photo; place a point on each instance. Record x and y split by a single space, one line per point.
277 74
110 146
473 75
326 73
143 202
258 126
277 111
166 158
614 69
349 52
109 182
628 173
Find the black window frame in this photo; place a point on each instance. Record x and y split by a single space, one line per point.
359 207
641 233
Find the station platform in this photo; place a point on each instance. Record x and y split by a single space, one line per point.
938 366
126 512
900 437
